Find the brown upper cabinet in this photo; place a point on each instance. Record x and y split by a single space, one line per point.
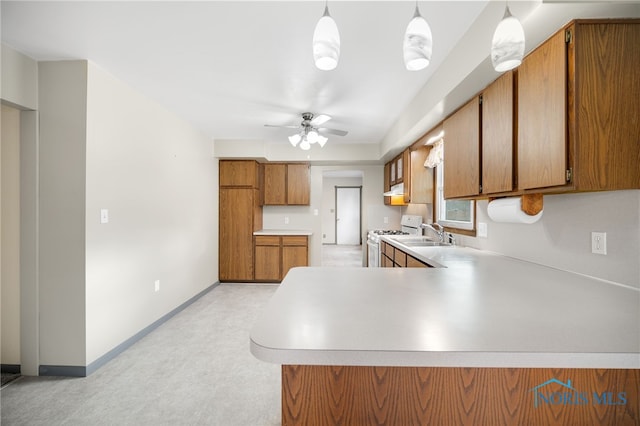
240 173
420 188
397 171
578 109
287 184
498 141
564 121
462 151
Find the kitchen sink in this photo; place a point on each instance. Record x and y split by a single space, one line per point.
425 244
419 242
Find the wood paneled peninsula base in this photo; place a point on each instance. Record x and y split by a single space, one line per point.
458 345
357 395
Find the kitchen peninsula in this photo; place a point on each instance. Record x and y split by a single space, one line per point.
486 339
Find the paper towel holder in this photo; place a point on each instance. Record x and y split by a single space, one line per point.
530 204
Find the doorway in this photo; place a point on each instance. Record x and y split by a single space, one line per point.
348 215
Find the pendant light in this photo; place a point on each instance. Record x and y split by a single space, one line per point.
326 42
418 43
507 46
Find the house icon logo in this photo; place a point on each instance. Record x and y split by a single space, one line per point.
540 396
557 392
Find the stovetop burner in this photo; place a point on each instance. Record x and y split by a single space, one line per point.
389 232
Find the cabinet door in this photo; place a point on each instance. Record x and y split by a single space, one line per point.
406 165
239 173
412 262
267 259
462 151
275 189
294 253
606 105
298 184
387 182
497 136
235 255
542 116
421 178
400 258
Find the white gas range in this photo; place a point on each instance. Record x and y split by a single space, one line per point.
410 225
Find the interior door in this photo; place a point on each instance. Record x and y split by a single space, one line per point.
348 215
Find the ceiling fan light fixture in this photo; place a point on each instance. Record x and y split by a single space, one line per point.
326 42
322 140
295 139
305 145
507 46
312 136
418 43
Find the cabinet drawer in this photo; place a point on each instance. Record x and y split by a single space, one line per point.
267 240
388 249
296 240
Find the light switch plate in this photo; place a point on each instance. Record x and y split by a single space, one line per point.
104 216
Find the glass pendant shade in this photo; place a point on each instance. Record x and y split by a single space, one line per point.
305 145
417 44
507 46
306 138
294 139
326 43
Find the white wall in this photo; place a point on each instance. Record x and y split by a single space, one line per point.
19 79
562 237
62 103
102 145
157 177
10 232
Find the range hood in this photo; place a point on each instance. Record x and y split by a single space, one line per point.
397 189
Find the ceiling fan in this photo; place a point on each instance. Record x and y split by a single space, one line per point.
310 132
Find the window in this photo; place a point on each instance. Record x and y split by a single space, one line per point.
459 214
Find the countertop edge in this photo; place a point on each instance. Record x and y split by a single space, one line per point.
446 359
283 232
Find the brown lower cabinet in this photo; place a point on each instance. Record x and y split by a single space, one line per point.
274 255
393 257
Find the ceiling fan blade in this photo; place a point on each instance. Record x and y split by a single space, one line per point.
320 119
333 131
286 127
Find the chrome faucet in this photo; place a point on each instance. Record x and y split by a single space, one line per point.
436 228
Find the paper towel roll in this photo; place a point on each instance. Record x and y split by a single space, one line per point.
509 210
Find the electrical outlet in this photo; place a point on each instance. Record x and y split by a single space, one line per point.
599 242
286 220
157 285
482 229
385 219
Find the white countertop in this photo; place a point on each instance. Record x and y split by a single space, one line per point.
481 310
283 232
